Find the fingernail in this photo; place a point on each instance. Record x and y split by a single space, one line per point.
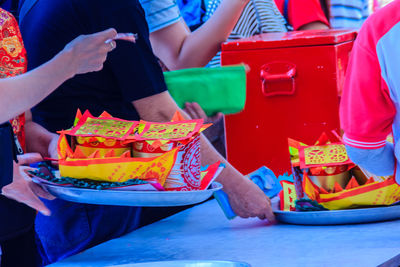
45 212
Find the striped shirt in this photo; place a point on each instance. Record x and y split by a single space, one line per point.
160 13
259 16
350 13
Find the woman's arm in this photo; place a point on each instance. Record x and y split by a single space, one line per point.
179 48
86 53
315 25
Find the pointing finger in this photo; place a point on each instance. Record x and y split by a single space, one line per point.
105 35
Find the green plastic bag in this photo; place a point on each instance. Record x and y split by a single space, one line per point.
221 89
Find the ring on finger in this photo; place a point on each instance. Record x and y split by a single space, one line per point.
111 42
112 45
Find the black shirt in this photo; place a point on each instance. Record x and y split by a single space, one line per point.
15 218
130 73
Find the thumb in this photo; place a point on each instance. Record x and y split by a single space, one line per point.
29 158
199 110
105 35
28 198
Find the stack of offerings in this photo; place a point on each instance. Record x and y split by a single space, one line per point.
163 156
324 178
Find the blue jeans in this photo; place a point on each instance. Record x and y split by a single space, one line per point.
74 227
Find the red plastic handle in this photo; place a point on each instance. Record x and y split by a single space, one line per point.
278 78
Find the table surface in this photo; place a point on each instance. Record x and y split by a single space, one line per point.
203 233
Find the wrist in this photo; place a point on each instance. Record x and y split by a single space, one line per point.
65 59
231 180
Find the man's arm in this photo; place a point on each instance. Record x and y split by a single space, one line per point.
178 48
245 197
315 25
84 54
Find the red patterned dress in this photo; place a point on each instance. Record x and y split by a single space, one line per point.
12 61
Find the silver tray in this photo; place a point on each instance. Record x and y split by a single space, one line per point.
131 198
331 217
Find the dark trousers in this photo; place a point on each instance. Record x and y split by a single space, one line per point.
20 251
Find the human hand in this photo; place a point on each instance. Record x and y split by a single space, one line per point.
248 200
23 189
87 53
196 112
53 149
29 158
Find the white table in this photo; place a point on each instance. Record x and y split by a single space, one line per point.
203 233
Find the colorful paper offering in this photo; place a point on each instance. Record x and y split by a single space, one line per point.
325 178
169 130
288 196
47 175
107 149
105 127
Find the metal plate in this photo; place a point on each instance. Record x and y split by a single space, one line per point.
191 263
350 216
131 198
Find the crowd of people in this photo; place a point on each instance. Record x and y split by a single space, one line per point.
68 60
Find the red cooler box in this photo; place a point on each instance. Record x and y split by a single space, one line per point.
293 90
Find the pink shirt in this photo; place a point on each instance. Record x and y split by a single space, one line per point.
368 109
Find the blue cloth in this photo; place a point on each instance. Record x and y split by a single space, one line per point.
266 180
131 72
74 227
192 12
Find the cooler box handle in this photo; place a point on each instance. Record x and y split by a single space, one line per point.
278 78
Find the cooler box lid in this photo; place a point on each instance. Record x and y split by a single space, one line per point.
291 39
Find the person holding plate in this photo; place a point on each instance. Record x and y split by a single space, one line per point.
131 86
19 198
